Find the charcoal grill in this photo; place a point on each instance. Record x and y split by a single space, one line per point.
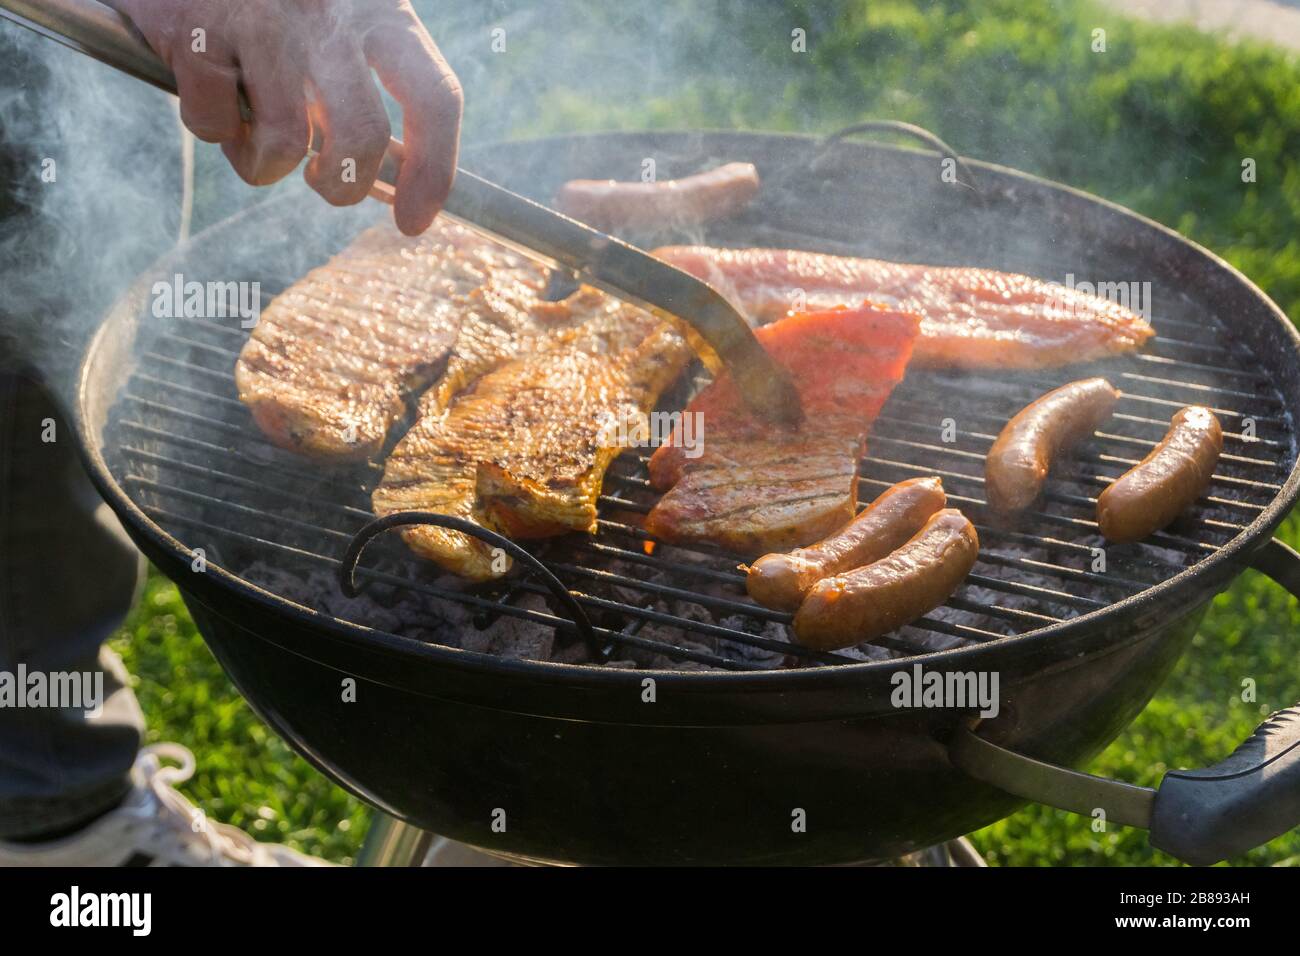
744 729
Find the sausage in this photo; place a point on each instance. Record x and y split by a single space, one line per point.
867 603
1160 487
645 207
780 580
1019 460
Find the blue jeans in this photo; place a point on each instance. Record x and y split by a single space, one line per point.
68 574
88 196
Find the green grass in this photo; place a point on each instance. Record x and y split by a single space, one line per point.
1160 122
1197 719
246 775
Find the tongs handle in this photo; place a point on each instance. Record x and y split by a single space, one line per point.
715 329
96 30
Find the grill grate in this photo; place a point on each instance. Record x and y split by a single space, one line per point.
188 453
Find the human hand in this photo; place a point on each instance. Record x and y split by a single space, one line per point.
304 65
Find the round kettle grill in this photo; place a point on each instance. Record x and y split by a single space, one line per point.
723 733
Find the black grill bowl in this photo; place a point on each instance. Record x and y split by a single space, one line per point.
572 759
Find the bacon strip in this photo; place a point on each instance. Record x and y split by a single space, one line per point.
970 318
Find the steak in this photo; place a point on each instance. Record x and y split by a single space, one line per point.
523 449
755 488
330 365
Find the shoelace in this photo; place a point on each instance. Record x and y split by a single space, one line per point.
175 818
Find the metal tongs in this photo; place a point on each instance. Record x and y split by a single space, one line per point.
714 328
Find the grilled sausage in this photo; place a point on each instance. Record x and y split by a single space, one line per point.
780 580
867 603
1160 487
1019 460
609 204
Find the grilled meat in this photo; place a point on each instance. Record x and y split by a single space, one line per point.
523 449
970 318
753 497
1154 492
755 488
868 602
1016 467
703 197
781 579
327 370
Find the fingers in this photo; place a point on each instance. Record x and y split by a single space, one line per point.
208 84
414 72
198 48
274 71
302 64
349 114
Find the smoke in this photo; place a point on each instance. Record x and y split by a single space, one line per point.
91 191
92 160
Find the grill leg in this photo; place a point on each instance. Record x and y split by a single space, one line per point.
390 842
963 853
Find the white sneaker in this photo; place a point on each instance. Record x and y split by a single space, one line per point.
155 826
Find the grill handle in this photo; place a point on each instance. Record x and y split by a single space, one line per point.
399 519
1204 816
910 130
1199 816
